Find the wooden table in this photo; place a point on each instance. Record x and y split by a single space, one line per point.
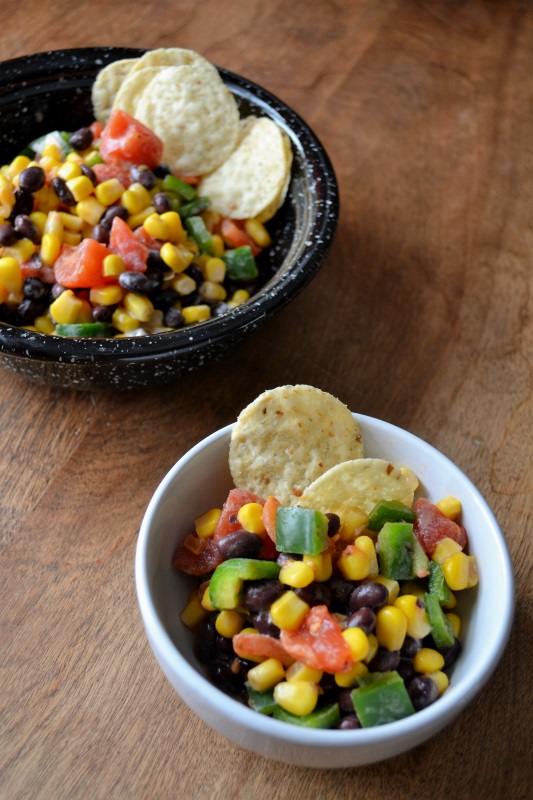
422 315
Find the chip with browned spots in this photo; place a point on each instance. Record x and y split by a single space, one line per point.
289 436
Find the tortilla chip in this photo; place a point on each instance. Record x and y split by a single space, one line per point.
107 84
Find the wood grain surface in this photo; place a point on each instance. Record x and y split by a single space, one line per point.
422 315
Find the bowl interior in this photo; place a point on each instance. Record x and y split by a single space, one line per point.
201 480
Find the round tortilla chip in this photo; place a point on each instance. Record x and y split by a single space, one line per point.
107 84
195 115
254 180
357 484
287 437
132 87
172 57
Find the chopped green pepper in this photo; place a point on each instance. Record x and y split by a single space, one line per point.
261 701
381 698
326 717
225 587
394 550
437 584
240 263
301 530
195 207
179 187
441 629
389 511
197 229
85 330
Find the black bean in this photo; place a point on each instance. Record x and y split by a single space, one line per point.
59 185
28 309
259 595
102 313
341 590
330 690
348 723
155 262
315 594
137 282
422 691
173 318
165 299
8 235
111 213
221 674
161 170
144 176
195 273
205 645
363 618
334 523
371 595
161 202
263 623
405 670
345 701
451 653
410 647
32 179
384 660
89 173
81 139
57 289
224 645
26 228
35 289
240 544
100 233
23 203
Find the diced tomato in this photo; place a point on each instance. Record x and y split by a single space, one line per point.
145 238
318 642
80 266
127 140
197 563
259 645
269 515
122 241
233 232
105 172
97 128
431 525
227 522
44 273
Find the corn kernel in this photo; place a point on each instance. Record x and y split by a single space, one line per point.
348 679
352 522
250 515
428 660
456 570
354 563
71 221
195 314
50 165
50 247
67 308
288 611
357 642
239 297
123 321
18 164
156 227
44 325
473 576
7 196
39 220
138 306
229 622
257 231
212 292
52 150
373 645
452 602
450 506
366 544
215 270
455 622
206 600
296 574
173 222
183 284
440 679
206 524
418 624
296 697
321 564
445 548
71 238
106 295
217 245
112 265
75 158
174 257
81 187
135 198
90 210
302 672
266 675
391 627
54 225
135 220
193 613
69 170
108 192
10 274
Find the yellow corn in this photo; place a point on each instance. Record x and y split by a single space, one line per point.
239 297
21 250
373 645
67 308
108 192
10 274
391 627
69 170
106 295
321 564
193 613
174 257
348 679
50 247
366 544
211 219
81 187
71 221
112 265
215 270
296 574
212 292
7 196
428 660
440 679
455 623
456 570
352 523
229 622
418 624
135 220
250 515
90 210
288 611
357 642
217 245
39 219
135 198
302 672
17 165
206 524
266 675
52 150
195 314
183 284
138 306
71 237
446 547
354 563
173 222
206 600
123 321
296 697
54 225
452 602
450 506
50 165
155 226
473 577
257 231
75 158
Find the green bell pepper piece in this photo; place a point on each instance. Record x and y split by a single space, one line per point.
389 511
263 702
301 530
197 229
195 207
381 698
225 587
437 583
441 629
326 717
240 264
395 549
177 186
85 330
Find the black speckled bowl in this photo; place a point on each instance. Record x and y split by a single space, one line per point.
49 91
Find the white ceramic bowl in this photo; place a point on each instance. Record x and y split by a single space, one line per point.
200 480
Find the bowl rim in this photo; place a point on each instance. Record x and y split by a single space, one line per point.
433 717
280 288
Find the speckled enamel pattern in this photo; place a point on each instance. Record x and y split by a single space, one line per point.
52 90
